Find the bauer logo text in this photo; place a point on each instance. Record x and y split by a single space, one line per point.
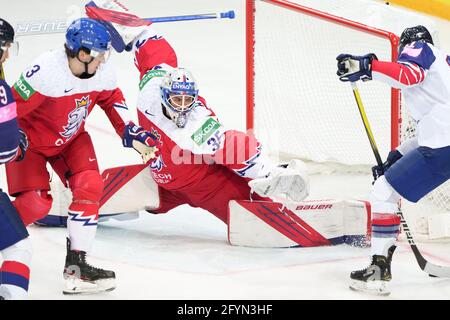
314 206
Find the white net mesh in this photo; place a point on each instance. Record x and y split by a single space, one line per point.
434 203
298 96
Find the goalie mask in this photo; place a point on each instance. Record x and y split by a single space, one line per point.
179 94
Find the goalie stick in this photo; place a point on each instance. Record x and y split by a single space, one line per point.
428 267
28 28
115 15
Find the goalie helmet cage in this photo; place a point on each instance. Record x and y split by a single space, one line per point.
297 106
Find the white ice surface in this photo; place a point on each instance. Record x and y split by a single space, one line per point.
185 255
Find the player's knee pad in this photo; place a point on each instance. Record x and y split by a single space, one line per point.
20 252
33 205
87 186
383 198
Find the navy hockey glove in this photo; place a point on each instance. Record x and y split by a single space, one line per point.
379 170
354 68
141 140
23 145
134 132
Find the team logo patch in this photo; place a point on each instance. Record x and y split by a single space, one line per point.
76 117
23 88
158 163
149 76
208 128
411 51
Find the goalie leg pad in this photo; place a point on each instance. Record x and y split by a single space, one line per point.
127 189
302 224
33 205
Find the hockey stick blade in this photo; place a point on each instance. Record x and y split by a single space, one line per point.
428 267
123 18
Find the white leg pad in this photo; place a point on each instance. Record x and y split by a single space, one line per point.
121 194
306 224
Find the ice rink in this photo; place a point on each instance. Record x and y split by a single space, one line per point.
185 254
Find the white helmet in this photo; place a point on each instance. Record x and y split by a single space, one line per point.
179 94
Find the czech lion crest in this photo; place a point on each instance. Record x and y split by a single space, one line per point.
76 117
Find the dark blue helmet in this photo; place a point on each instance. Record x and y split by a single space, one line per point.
6 32
7 39
417 33
87 33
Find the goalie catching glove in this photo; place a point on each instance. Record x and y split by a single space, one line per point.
142 141
354 68
291 181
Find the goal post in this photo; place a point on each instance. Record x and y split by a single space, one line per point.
291 82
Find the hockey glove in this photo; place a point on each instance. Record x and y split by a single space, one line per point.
142 141
354 68
290 181
23 145
379 170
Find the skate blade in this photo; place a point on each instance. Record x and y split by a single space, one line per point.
376 287
77 286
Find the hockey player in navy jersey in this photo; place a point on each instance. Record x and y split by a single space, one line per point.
15 247
418 165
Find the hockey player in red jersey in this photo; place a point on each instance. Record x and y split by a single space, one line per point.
54 97
199 161
15 245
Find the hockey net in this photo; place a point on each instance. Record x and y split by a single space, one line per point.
299 109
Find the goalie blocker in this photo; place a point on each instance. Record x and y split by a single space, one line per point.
267 224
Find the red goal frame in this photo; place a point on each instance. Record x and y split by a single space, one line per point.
250 73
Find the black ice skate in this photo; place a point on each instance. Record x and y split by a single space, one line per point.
375 278
80 277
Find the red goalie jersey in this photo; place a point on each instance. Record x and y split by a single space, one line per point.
202 164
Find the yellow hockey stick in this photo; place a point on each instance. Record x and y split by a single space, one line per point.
430 268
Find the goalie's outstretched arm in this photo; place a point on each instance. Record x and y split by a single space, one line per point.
242 153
